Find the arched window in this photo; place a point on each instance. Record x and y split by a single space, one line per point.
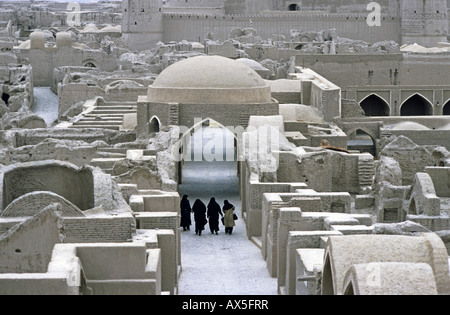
349 290
294 7
446 108
374 105
90 65
154 125
416 105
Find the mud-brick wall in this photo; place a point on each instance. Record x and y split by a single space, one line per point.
99 229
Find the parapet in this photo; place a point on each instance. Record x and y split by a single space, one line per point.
417 279
63 39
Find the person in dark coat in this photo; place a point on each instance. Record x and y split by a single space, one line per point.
228 211
199 210
185 211
213 215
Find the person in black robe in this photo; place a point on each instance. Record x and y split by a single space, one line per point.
213 216
185 211
199 210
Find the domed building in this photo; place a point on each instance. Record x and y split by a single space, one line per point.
203 87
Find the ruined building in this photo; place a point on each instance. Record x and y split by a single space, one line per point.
329 135
146 22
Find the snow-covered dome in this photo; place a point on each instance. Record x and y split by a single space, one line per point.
209 80
409 125
255 65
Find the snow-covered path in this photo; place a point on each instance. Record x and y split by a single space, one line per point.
220 264
223 265
45 104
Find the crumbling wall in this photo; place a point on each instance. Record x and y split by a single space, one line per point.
76 185
388 191
30 204
16 86
19 138
76 152
27 247
411 157
441 180
24 120
322 171
422 197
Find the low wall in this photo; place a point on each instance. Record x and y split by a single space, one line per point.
168 224
425 137
99 229
26 247
301 239
323 171
251 193
166 202
62 277
441 180
19 138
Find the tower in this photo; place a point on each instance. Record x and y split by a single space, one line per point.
142 23
424 22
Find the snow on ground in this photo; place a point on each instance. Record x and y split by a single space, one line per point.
45 104
223 264
219 264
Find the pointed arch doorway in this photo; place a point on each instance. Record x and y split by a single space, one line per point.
416 105
361 141
373 105
208 166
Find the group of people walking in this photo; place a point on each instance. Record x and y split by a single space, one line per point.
204 214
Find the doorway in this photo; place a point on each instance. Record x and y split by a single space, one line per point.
208 166
362 142
374 105
294 7
416 105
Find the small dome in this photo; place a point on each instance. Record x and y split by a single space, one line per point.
255 65
409 125
209 79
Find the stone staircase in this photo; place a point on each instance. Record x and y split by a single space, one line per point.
366 170
173 114
105 115
107 157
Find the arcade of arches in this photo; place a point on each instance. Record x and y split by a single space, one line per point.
416 105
